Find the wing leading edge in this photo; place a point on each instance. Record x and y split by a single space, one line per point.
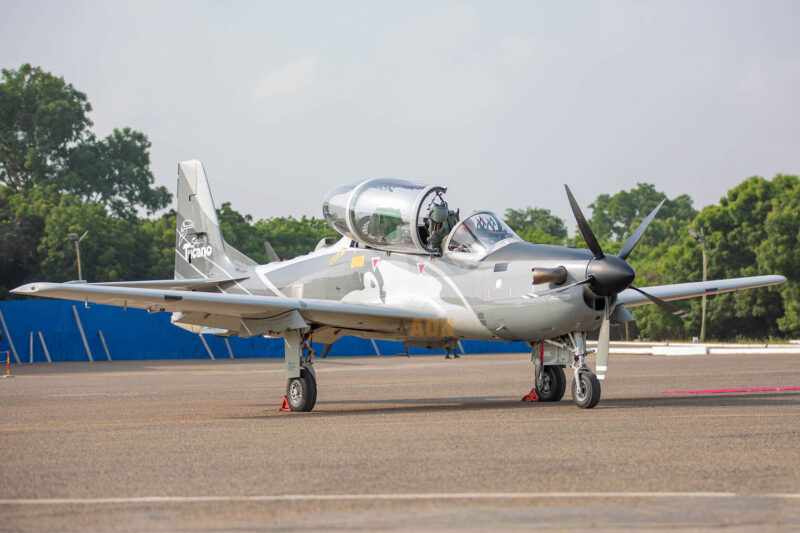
242 314
685 291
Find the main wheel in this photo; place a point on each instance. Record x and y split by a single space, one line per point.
554 384
588 394
302 392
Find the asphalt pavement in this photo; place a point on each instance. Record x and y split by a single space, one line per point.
398 443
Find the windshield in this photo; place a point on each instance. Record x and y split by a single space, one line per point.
479 233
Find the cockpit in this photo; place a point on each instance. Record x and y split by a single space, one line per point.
480 233
401 216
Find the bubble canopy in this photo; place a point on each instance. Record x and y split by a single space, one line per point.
382 213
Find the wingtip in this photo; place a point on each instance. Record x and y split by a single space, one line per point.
28 288
32 288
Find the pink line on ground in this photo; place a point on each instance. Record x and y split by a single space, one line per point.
739 390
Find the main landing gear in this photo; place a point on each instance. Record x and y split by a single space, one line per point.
550 381
301 382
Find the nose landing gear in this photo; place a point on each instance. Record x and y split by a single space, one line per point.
585 385
586 390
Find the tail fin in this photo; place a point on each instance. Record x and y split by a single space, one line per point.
200 250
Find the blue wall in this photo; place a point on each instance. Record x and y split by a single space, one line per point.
135 334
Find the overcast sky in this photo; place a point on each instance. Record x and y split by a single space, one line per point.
502 102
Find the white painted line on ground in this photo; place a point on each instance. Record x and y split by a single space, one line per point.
280 498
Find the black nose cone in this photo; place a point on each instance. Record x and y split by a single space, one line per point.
611 275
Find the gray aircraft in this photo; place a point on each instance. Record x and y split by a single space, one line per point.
407 268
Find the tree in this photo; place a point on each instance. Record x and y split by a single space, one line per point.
291 237
780 251
238 231
614 217
753 230
538 225
115 172
160 239
42 118
22 219
45 140
116 248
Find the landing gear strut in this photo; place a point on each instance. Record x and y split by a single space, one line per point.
301 383
585 385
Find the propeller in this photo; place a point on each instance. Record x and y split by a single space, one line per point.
608 275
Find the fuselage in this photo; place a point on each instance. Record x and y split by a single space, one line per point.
491 297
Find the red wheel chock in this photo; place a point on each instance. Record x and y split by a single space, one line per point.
285 405
531 396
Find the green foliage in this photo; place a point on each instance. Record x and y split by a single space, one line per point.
42 118
753 230
45 141
537 225
288 236
291 237
113 250
21 226
160 239
114 172
780 250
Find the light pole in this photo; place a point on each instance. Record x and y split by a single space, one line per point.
77 240
701 238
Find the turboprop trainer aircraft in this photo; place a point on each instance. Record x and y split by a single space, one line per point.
407 268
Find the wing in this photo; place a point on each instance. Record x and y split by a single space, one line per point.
189 284
240 314
684 291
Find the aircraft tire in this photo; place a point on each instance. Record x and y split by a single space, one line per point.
591 386
555 384
301 392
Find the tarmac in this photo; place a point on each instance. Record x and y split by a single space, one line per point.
402 444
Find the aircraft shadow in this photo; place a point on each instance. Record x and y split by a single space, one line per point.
485 403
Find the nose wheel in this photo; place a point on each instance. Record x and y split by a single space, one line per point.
586 389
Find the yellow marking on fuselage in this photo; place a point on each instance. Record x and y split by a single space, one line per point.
335 257
432 329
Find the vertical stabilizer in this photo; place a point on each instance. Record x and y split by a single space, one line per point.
200 250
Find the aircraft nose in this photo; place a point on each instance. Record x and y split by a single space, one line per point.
611 274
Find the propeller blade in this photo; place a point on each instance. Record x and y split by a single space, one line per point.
603 343
633 240
667 306
584 228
